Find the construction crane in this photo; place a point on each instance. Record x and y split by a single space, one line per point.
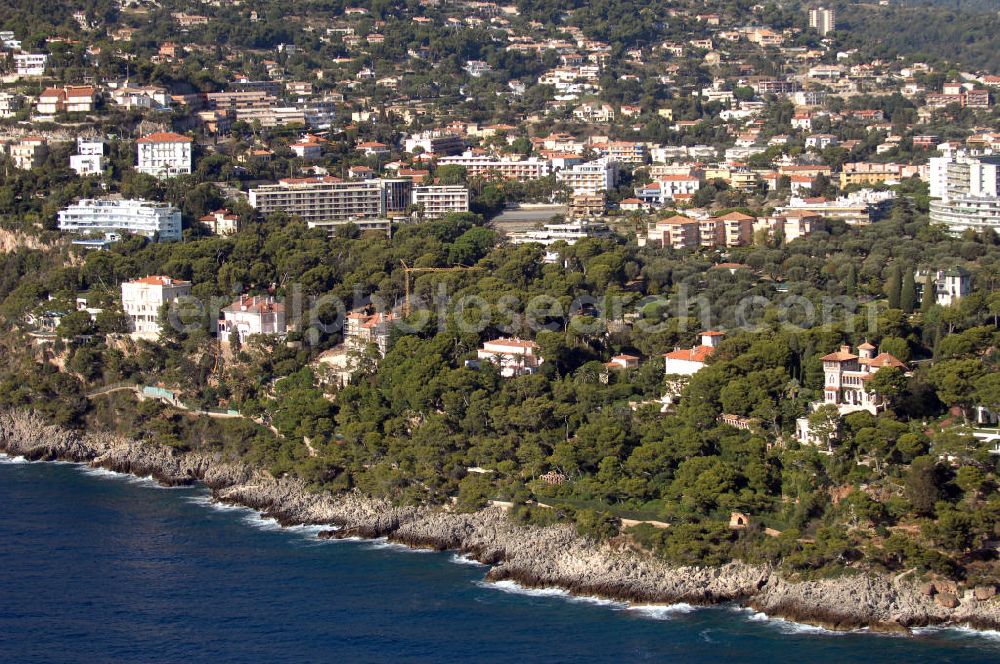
406 279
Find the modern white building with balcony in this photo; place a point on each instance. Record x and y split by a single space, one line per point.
140 217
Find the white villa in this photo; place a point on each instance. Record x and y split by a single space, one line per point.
514 356
688 361
252 315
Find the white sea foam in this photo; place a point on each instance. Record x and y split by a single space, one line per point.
515 588
206 500
148 481
662 611
12 460
384 543
789 627
963 631
466 560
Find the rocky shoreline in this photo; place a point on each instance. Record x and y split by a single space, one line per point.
536 557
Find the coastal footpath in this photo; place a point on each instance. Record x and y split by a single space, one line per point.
551 556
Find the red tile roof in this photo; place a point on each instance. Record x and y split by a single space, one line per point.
696 354
165 137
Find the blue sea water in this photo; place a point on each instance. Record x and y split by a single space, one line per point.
97 567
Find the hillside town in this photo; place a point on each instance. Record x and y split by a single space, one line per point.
727 273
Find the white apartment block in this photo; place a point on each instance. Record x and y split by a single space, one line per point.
505 167
89 157
164 154
321 199
438 200
30 64
140 217
823 20
142 300
666 187
251 315
594 177
968 191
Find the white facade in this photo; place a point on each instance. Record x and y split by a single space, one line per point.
568 233
594 177
10 104
251 315
89 157
116 216
823 20
949 285
142 300
968 191
514 169
513 356
164 154
30 64
689 361
439 200
87 164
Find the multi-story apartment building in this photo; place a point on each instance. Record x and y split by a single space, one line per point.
89 157
321 198
29 152
626 152
737 229
30 64
666 188
677 232
251 315
435 201
143 299
587 205
594 177
823 20
777 87
108 216
164 154
435 142
509 168
968 191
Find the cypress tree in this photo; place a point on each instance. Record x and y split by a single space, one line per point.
894 286
927 298
850 280
908 292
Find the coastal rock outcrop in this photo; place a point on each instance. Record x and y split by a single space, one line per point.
551 556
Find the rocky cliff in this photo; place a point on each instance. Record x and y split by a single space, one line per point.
533 556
